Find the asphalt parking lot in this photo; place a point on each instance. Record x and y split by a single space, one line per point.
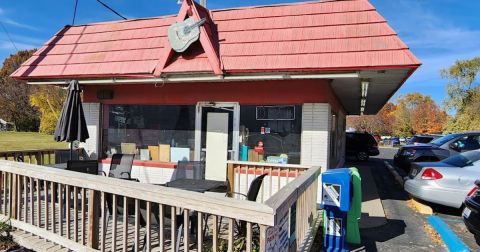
452 217
405 229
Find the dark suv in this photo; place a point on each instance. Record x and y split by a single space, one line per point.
437 149
361 145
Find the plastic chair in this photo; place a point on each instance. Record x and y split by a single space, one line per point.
254 189
120 166
189 170
251 195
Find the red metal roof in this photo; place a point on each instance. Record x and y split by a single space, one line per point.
310 36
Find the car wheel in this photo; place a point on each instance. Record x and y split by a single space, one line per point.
362 156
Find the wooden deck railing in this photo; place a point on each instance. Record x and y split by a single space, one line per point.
72 209
39 156
240 174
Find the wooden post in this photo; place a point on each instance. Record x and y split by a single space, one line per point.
263 238
38 158
13 196
94 219
230 179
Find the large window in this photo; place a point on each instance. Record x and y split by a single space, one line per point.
152 129
278 127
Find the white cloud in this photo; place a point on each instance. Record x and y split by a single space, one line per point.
12 22
7 45
29 40
431 66
449 38
9 21
424 30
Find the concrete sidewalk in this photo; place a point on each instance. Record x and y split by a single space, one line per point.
373 214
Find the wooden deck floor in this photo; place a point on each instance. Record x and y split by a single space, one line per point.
37 243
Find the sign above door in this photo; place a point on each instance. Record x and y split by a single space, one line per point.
193 23
182 34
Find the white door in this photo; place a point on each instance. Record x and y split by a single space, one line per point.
216 146
202 110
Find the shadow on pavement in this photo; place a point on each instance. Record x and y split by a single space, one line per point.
387 188
370 236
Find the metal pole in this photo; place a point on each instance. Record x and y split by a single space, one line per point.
71 150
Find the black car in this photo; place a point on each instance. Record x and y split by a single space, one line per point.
422 139
437 149
471 213
361 145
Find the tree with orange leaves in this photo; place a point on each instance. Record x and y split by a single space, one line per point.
414 113
381 123
428 118
418 114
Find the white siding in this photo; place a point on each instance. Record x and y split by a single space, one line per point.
92 116
316 125
316 121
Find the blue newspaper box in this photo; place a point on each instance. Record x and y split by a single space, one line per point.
336 188
336 200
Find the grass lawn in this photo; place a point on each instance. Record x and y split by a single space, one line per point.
28 141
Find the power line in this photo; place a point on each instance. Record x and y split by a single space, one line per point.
8 35
112 10
74 12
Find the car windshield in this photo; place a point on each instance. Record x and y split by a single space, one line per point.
442 140
463 159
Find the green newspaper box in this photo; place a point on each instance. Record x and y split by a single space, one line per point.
353 216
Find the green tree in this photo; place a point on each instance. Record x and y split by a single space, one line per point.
461 85
463 95
49 101
14 95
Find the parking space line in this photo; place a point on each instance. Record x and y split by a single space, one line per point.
448 236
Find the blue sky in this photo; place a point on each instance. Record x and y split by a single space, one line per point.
437 31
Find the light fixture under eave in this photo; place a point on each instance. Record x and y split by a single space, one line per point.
365 88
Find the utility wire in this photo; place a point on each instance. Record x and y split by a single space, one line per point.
74 12
8 35
112 10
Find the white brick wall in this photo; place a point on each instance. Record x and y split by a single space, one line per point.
92 116
316 124
316 121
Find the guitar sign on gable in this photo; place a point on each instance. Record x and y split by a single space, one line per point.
182 34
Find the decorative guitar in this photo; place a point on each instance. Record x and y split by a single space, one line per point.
182 34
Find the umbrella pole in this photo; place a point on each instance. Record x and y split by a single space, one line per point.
71 150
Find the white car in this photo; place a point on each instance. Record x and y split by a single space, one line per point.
446 182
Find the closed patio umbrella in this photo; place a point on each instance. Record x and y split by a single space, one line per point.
71 125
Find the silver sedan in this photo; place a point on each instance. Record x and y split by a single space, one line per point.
446 182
